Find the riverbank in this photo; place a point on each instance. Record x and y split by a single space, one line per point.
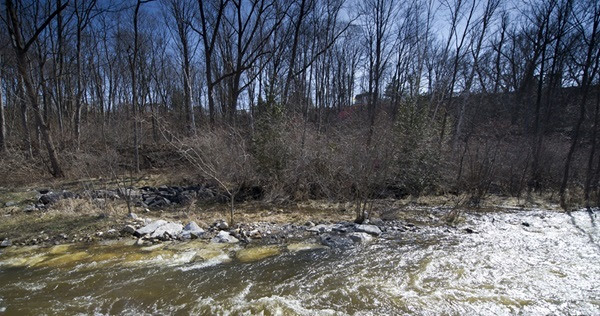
75 213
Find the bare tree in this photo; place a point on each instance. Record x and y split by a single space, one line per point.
133 62
21 47
181 12
590 38
83 12
2 115
210 23
378 15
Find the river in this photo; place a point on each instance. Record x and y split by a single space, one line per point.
526 262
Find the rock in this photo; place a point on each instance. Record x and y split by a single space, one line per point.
181 198
309 224
377 222
30 208
255 234
205 194
224 237
525 224
49 198
222 225
104 194
360 237
68 195
148 200
130 193
159 202
469 231
192 231
99 234
339 228
369 229
336 241
192 226
139 242
5 243
111 231
150 228
321 228
167 230
10 203
128 229
191 234
132 216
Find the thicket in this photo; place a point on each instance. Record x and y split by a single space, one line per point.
285 156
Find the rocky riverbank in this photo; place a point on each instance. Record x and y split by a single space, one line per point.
147 231
150 215
340 234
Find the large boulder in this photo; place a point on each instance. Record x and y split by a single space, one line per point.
369 229
224 237
192 230
168 230
192 226
150 228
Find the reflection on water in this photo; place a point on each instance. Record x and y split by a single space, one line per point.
549 266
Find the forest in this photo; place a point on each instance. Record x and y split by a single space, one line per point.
307 99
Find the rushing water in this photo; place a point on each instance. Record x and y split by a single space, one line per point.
532 263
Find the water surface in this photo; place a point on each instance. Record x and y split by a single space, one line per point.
532 263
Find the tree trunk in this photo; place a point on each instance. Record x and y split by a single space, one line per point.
32 96
294 50
2 122
585 85
590 171
134 97
24 125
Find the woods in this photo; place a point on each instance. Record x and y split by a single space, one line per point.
308 99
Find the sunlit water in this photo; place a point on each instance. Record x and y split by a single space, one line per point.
551 266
